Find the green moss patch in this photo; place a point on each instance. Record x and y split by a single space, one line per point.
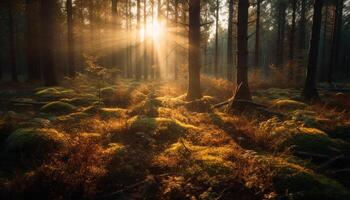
34 143
58 107
287 104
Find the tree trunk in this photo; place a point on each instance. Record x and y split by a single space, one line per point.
48 38
32 49
176 70
138 60
12 38
194 88
310 92
281 33
114 30
291 41
292 31
257 34
336 39
230 42
145 41
242 51
157 62
323 73
71 45
302 26
216 62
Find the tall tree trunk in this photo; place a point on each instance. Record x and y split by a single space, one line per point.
129 26
158 61
138 61
257 34
91 23
81 36
216 59
302 26
152 44
176 70
145 41
114 29
242 51
230 41
336 39
291 41
323 73
292 31
310 92
48 37
32 49
194 35
281 18
71 45
12 42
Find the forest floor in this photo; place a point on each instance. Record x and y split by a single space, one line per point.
131 140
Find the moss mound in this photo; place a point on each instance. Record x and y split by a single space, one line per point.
53 92
112 112
297 182
161 129
32 142
287 104
58 107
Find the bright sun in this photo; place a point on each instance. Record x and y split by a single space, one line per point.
154 31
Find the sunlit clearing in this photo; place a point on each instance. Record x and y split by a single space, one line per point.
155 30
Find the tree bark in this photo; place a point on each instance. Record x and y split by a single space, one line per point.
281 19
145 41
12 38
230 42
333 61
71 44
32 49
310 92
242 51
194 88
176 70
257 34
216 62
138 61
114 30
302 26
48 37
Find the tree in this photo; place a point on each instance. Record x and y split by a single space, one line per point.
242 51
310 92
292 31
176 8
138 23
230 41
217 9
302 26
71 45
11 10
145 61
281 24
32 40
336 39
257 34
194 35
47 13
114 28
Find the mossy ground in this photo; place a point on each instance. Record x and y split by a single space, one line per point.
133 140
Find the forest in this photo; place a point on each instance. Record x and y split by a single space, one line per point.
175 99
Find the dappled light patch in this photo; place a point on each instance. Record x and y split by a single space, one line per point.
287 104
